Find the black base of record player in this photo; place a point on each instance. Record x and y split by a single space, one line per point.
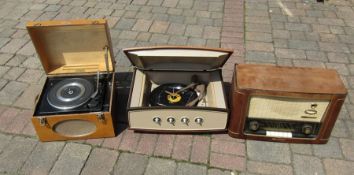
74 94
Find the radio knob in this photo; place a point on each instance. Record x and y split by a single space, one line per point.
171 120
307 129
157 120
199 121
185 120
253 125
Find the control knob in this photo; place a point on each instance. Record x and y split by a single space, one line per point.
171 120
157 120
185 120
253 125
198 120
307 129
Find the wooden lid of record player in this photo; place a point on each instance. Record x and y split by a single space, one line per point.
289 79
177 58
73 46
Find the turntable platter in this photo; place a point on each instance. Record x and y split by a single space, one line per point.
70 93
172 95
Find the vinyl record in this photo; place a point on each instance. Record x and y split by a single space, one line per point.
166 95
70 93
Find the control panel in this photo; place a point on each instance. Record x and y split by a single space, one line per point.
184 120
174 119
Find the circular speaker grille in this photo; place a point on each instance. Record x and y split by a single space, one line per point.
75 128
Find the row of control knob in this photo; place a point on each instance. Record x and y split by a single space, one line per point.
184 120
306 128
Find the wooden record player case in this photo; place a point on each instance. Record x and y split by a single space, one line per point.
67 48
156 66
268 99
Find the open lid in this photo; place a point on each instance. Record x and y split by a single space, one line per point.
177 58
74 46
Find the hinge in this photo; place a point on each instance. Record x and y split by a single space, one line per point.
210 70
100 117
42 121
106 58
177 70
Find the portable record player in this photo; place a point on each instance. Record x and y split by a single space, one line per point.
77 98
177 89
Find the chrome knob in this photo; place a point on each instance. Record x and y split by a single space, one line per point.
157 120
199 120
171 120
185 120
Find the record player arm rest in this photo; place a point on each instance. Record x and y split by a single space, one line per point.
97 84
201 89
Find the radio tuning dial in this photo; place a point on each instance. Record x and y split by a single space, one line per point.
185 120
171 120
198 120
157 120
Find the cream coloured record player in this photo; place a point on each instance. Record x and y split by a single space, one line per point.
177 89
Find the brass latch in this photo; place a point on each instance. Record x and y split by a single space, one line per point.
100 117
42 121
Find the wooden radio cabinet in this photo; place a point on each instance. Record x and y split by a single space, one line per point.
284 104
